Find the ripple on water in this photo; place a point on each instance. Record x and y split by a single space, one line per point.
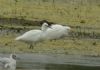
56 62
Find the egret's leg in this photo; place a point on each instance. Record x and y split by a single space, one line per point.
6 66
31 46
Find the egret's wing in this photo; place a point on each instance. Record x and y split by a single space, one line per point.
4 60
32 35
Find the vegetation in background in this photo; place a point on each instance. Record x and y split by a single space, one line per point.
72 12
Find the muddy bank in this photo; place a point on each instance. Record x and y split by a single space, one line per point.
25 22
21 21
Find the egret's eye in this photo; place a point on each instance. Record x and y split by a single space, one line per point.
14 56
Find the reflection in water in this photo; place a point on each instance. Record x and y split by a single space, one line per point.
39 66
69 67
56 62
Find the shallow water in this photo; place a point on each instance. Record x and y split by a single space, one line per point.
38 66
56 62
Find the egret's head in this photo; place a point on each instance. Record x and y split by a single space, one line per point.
44 26
46 21
13 56
16 57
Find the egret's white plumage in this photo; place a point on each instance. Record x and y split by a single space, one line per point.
33 36
56 31
9 63
61 30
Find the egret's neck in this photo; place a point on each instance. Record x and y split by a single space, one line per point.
44 28
11 56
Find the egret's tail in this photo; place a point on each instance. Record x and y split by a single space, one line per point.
68 28
18 38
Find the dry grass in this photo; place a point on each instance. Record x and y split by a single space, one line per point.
62 46
62 13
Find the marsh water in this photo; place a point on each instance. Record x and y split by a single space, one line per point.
56 62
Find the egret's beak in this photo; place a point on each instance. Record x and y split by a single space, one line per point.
18 58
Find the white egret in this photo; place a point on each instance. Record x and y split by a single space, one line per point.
9 63
56 31
33 36
62 30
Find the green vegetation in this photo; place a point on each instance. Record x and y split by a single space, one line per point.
74 14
